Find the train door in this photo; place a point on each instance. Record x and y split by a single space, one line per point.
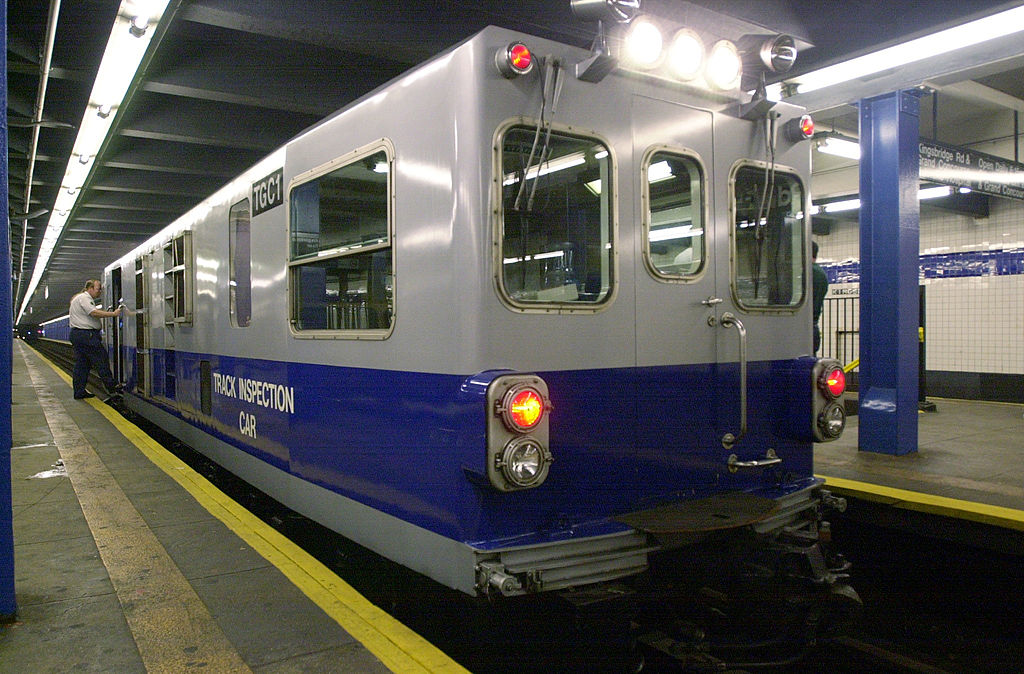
762 280
117 327
143 381
677 286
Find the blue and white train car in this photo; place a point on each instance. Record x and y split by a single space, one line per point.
516 323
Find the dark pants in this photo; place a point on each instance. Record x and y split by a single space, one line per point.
817 338
89 353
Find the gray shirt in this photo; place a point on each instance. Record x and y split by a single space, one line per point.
79 315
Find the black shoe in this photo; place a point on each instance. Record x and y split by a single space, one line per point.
116 390
84 396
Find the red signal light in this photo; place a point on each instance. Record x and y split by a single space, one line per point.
835 382
525 409
515 59
807 126
520 57
799 129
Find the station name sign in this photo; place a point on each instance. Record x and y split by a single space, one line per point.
960 167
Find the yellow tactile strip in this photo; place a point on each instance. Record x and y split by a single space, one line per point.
398 647
172 628
1009 518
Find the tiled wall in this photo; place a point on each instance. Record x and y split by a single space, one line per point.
973 270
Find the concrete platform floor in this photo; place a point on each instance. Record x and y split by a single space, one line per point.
968 451
119 567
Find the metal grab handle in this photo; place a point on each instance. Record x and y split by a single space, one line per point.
712 301
728 321
770 459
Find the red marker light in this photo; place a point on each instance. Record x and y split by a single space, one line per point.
520 57
835 382
513 60
525 409
799 129
807 126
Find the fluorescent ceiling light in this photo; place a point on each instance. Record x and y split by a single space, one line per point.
839 206
839 147
934 192
120 62
552 166
853 204
679 232
974 32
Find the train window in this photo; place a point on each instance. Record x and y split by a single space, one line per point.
177 254
341 262
769 264
556 229
674 217
240 260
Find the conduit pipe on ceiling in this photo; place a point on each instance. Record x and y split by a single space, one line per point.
37 118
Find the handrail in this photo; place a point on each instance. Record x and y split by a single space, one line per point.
729 321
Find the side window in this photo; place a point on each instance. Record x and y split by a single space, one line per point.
240 260
178 276
556 219
674 226
769 264
340 268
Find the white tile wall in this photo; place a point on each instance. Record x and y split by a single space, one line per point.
974 324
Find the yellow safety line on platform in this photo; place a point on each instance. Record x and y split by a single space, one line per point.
171 627
398 647
1009 518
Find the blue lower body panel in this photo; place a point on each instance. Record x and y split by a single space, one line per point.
408 444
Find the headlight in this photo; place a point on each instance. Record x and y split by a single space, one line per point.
724 66
832 421
524 462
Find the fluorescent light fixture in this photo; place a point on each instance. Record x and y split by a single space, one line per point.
853 204
974 32
117 69
658 172
934 192
138 25
560 164
680 232
539 256
840 147
840 206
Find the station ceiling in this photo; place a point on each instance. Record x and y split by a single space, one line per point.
227 81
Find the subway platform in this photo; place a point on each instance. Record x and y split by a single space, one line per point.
968 466
126 560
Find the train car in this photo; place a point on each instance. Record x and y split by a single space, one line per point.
522 320
58 329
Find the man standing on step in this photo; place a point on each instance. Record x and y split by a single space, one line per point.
84 319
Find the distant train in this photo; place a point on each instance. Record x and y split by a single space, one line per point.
518 320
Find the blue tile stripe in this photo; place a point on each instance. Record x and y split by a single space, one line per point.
945 265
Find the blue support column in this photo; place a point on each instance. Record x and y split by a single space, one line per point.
8 606
889 250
